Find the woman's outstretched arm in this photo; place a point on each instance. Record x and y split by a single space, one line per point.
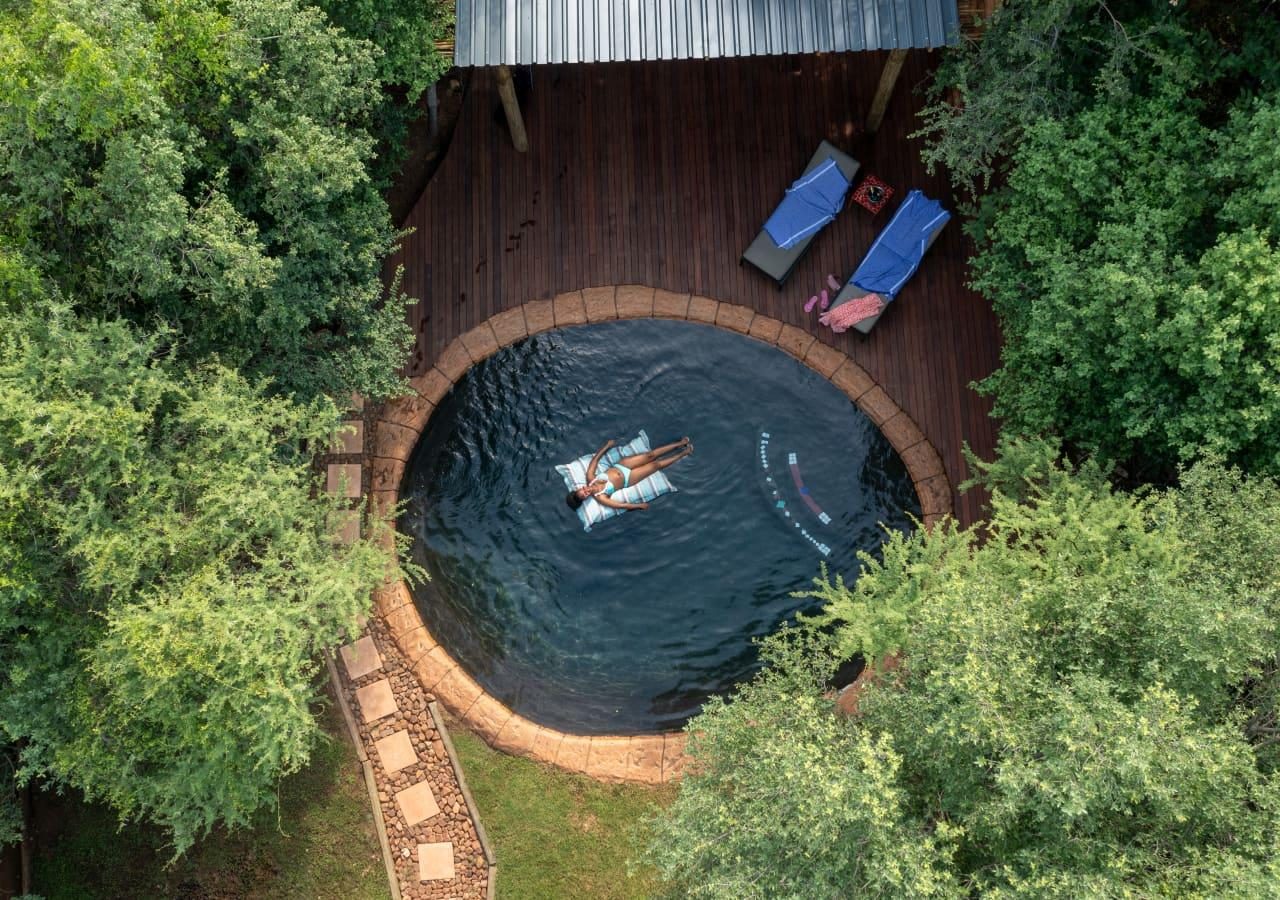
609 501
595 460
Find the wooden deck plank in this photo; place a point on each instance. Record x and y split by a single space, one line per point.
660 174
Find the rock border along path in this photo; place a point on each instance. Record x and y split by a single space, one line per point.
651 758
433 844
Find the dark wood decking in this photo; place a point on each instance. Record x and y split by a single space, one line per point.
661 174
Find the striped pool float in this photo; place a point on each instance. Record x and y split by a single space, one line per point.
592 512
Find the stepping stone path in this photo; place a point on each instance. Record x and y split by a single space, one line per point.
343 479
417 803
376 701
346 526
434 842
435 845
395 752
361 658
435 862
349 438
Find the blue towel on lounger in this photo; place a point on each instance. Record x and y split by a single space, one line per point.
810 203
897 251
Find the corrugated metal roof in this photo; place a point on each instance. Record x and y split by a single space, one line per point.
523 32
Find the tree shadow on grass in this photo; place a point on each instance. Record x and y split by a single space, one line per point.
322 842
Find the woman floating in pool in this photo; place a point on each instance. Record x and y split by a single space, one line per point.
625 472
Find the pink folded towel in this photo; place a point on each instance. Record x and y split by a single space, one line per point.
843 317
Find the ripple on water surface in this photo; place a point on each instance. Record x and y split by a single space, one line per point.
630 627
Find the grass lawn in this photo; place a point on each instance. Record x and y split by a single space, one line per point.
555 834
323 844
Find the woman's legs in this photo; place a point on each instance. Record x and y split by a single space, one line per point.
640 459
643 471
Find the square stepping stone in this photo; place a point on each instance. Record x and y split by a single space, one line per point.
395 752
417 804
346 526
355 402
435 861
348 438
361 658
376 700
343 479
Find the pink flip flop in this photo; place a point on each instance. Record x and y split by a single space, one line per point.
813 301
833 284
825 301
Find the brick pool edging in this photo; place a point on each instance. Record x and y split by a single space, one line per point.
650 758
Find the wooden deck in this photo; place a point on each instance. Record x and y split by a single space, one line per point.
661 174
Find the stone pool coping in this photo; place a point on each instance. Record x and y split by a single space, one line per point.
647 758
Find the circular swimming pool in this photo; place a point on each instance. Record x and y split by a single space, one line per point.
630 627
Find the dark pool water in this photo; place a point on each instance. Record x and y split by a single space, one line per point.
629 628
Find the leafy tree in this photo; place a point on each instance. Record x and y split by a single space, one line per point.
405 32
205 165
167 569
786 800
1138 285
1085 707
1129 246
1041 59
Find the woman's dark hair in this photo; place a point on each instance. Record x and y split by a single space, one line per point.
573 500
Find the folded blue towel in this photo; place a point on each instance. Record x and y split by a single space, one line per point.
810 203
825 186
897 251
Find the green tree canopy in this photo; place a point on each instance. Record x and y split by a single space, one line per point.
405 32
205 165
1130 245
1050 59
167 569
1086 707
1138 285
1036 59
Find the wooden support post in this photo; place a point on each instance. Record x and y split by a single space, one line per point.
511 106
27 849
888 78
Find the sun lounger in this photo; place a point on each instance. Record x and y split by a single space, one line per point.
806 208
895 255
